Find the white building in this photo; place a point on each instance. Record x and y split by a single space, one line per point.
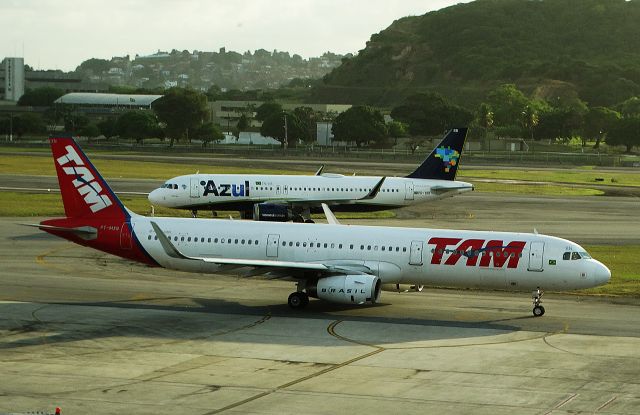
13 78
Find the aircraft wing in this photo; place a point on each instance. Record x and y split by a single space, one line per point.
262 266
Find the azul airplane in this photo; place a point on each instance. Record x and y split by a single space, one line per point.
291 197
333 262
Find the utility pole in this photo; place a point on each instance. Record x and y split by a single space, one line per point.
286 138
11 127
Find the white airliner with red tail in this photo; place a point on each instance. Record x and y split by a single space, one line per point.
333 262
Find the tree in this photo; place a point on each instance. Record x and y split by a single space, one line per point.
307 119
181 110
529 120
597 123
361 124
396 129
26 123
430 114
40 97
207 132
267 109
108 127
274 126
625 131
243 123
137 125
507 102
89 130
630 107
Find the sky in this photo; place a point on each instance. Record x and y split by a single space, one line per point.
61 34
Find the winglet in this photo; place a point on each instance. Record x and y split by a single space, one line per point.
168 247
374 192
331 218
319 172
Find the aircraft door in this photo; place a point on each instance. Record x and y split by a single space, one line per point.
415 256
272 245
125 237
408 191
195 188
286 189
536 256
278 190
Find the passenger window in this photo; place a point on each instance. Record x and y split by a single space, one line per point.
297 243
290 243
340 246
229 240
351 246
209 240
304 244
325 244
404 249
182 239
566 256
368 247
256 242
189 239
215 241
383 248
149 237
284 243
175 238
235 242
332 246
361 247
242 242
249 241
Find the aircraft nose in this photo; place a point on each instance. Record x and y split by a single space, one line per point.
601 273
155 197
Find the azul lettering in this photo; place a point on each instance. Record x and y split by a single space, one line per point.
224 189
474 249
84 180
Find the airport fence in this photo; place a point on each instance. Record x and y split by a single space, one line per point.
325 153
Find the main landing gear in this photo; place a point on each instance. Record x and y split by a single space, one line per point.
538 309
298 299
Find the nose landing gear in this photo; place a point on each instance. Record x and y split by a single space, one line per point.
538 309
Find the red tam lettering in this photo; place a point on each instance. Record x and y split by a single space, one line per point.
441 244
500 253
466 248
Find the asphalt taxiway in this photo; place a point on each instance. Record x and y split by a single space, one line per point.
92 333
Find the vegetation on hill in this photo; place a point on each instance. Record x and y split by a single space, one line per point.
552 48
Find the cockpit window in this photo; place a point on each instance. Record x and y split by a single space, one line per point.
566 256
585 255
575 255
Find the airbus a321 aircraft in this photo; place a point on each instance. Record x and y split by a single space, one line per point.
290 197
333 262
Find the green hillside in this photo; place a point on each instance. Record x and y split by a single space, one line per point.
586 47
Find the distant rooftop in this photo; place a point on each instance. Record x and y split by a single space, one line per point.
119 100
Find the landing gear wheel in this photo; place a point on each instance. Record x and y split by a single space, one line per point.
538 311
417 288
298 299
309 221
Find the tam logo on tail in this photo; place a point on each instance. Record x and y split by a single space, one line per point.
84 181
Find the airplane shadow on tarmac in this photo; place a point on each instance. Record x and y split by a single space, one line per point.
36 324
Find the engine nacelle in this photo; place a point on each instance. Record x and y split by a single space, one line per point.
347 289
271 212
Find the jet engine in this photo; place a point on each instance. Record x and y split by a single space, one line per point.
271 212
347 289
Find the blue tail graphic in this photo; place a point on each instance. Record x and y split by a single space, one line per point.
442 163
